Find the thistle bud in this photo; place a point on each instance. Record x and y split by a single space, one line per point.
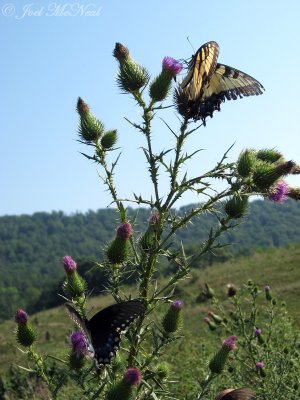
161 85
216 318
182 103
212 326
217 364
265 175
74 285
149 239
162 371
26 334
172 320
245 163
90 128
269 155
236 206
209 291
124 389
288 167
258 335
118 251
109 139
268 293
132 76
294 193
260 368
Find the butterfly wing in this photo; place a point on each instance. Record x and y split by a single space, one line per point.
201 69
237 394
230 83
107 325
82 323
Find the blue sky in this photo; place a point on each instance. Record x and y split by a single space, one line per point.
48 61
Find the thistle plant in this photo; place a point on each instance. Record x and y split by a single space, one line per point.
138 371
267 355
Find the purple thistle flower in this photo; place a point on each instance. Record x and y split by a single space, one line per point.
172 65
21 316
124 231
177 305
267 288
78 343
206 319
69 264
154 218
279 193
257 331
230 343
133 376
260 365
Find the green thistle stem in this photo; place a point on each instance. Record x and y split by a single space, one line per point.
179 143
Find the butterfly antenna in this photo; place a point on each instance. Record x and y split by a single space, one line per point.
188 39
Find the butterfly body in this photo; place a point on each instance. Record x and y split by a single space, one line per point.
103 331
209 83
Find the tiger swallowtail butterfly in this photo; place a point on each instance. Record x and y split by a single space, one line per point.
209 83
236 394
103 331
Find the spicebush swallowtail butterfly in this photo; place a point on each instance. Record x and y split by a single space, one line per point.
103 331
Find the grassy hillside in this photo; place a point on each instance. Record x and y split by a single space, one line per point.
280 268
31 247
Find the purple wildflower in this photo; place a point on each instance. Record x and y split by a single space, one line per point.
230 343
259 365
124 231
172 65
21 317
133 376
207 320
154 218
177 305
267 288
78 343
69 264
280 192
257 331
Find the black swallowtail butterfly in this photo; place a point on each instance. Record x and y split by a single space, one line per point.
236 394
103 331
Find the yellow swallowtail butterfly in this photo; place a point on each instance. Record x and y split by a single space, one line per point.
209 83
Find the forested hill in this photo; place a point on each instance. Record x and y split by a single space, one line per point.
31 247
